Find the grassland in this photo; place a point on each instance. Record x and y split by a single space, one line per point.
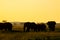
20 35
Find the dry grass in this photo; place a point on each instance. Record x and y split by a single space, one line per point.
29 35
20 35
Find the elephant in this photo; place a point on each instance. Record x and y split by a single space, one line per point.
1 26
6 26
29 25
51 25
41 27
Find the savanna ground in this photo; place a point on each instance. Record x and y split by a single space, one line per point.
20 35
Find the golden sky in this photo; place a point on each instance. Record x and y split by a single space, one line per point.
30 10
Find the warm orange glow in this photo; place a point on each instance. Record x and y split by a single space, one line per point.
30 10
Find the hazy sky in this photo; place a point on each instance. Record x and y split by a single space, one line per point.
30 10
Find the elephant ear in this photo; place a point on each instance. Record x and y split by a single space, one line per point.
54 23
48 23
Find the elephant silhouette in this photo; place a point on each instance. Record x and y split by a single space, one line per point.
29 25
6 26
41 27
51 25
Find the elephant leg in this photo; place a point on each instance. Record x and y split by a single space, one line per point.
5 29
38 30
53 29
50 29
28 29
9 29
34 29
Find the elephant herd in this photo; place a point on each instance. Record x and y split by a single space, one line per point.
39 27
30 26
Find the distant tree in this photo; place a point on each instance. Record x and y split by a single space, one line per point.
4 21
